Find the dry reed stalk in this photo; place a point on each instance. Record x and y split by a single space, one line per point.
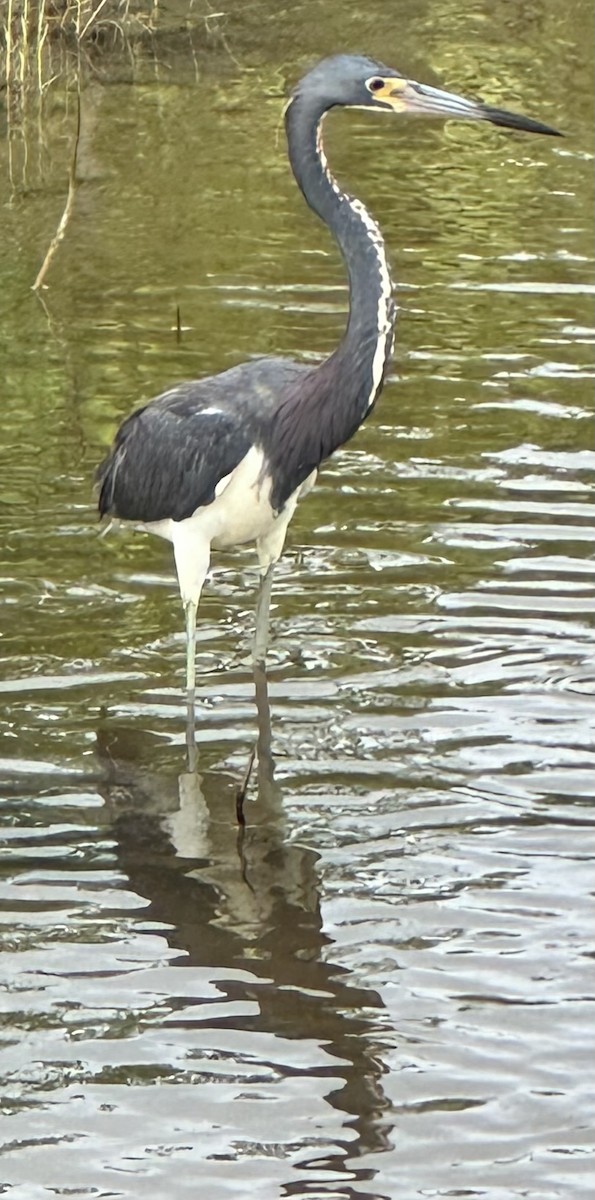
9 19
33 29
24 42
42 32
92 18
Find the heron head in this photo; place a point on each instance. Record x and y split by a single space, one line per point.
354 81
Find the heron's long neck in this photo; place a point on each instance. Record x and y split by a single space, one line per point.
324 408
365 348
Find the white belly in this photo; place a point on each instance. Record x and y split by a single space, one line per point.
241 511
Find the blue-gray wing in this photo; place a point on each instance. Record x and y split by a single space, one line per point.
168 457
164 466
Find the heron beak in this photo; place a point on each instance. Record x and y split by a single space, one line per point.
407 97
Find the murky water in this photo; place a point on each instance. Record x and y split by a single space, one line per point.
384 989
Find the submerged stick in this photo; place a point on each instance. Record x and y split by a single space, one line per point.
68 207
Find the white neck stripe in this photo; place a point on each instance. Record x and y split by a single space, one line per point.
384 316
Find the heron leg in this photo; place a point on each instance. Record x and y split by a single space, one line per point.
260 753
192 554
269 550
190 609
263 605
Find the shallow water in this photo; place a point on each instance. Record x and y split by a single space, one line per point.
384 988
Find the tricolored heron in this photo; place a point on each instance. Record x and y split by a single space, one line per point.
223 461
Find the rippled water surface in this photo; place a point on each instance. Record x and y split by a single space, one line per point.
383 989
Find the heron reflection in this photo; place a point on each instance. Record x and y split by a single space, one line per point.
248 900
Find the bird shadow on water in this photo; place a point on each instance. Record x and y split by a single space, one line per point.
247 899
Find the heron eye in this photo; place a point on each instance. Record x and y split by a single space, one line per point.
375 84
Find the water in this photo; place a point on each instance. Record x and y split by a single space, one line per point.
384 988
